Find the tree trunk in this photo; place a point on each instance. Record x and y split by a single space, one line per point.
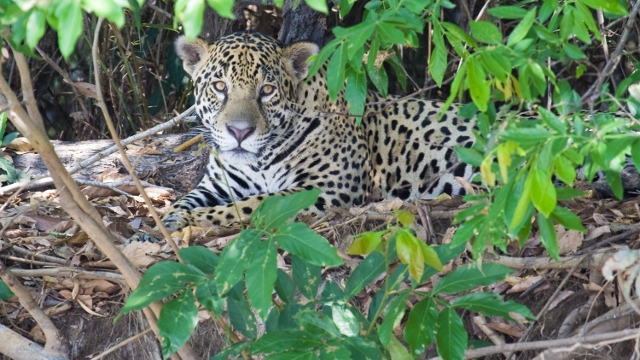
302 24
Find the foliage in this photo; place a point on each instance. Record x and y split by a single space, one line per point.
518 157
5 292
8 173
319 324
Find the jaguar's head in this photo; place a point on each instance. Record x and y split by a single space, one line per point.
244 85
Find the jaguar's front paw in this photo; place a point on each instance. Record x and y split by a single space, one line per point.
176 221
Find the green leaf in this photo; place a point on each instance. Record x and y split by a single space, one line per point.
491 304
451 337
224 8
392 318
334 351
318 5
508 12
307 276
356 92
310 320
235 258
468 229
521 30
5 292
345 320
260 277
548 236
567 219
552 120
233 350
612 6
438 64
430 256
202 258
208 297
285 340
191 17
69 13
178 318
276 210
318 60
336 71
478 84
285 288
362 349
241 316
635 153
543 193
405 217
565 170
397 350
389 33
106 9
420 328
469 156
366 242
367 271
379 78
574 52
409 253
36 25
160 281
331 292
486 32
358 35
467 277
298 239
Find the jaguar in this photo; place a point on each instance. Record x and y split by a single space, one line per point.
272 131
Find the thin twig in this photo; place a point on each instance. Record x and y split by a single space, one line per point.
546 306
571 343
593 93
116 139
119 345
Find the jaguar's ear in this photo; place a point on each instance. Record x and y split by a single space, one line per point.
192 53
298 54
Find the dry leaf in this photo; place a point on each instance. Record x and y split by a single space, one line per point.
523 285
600 219
86 89
20 144
570 241
561 296
597 232
140 253
509 329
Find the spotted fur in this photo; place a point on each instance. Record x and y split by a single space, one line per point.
272 132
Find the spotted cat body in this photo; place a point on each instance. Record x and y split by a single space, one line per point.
273 132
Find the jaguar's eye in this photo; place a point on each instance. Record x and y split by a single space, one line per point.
220 86
267 90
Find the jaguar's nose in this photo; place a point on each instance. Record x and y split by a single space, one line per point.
240 134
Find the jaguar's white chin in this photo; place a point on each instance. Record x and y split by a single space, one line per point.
238 155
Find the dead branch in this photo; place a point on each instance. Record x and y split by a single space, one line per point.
576 342
69 272
46 181
18 347
55 342
591 261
